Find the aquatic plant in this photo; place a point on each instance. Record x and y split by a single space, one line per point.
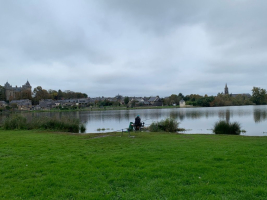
222 127
167 125
15 122
101 129
47 123
82 128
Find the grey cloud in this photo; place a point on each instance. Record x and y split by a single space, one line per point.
158 17
134 47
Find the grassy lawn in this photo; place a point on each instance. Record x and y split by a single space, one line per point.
43 165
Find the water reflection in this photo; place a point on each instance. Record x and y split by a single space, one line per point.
198 120
225 115
260 115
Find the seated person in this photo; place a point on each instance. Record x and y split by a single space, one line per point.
137 121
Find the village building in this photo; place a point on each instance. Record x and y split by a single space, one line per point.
22 104
226 91
155 101
242 94
182 103
47 104
3 104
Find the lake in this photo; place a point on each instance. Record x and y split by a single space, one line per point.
194 120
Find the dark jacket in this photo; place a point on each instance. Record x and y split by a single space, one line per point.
137 121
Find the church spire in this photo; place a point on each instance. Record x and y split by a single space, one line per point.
226 89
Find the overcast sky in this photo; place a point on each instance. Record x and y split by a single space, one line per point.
135 47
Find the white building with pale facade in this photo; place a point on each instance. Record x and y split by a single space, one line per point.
182 103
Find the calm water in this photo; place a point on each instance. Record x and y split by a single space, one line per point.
253 119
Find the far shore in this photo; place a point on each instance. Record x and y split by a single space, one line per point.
96 109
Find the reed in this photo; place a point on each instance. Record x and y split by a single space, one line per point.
15 122
46 123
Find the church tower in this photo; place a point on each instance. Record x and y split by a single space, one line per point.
226 89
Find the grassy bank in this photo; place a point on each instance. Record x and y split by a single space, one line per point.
40 165
95 109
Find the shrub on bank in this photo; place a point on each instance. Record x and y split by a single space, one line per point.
222 127
64 124
167 125
82 128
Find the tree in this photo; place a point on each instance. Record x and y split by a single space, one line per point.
59 95
26 94
205 101
85 95
166 101
175 99
259 96
105 103
2 93
39 93
192 99
241 100
80 95
133 103
181 96
222 100
53 94
126 100
115 103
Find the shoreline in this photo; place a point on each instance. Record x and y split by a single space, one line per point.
91 109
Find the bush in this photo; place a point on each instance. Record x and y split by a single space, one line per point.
46 123
222 127
82 128
154 127
167 125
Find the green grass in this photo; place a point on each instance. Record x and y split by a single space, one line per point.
41 165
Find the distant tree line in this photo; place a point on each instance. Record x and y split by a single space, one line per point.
105 102
259 97
192 99
40 93
219 100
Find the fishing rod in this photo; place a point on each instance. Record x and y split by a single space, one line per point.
147 119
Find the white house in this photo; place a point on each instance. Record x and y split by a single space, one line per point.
182 103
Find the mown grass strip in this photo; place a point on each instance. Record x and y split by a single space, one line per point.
41 165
